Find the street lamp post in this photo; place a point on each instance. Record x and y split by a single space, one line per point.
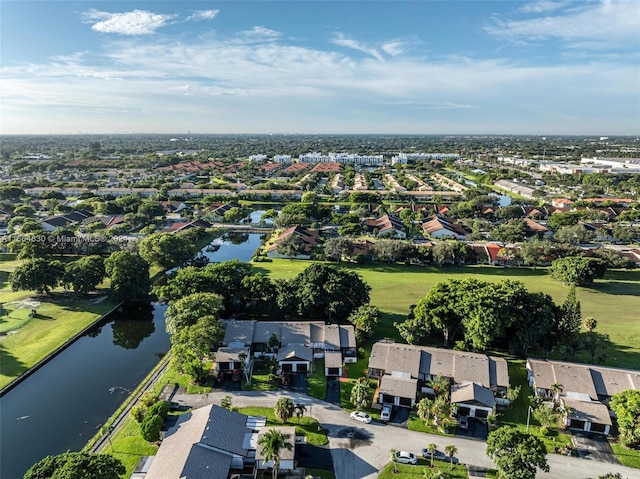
528 417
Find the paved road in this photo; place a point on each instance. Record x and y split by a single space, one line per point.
363 458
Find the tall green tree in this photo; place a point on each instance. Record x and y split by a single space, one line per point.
570 315
272 444
365 320
77 465
186 312
85 274
129 275
323 291
167 250
290 246
38 275
626 405
577 270
517 454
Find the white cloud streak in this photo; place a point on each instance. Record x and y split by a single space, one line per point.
136 22
342 40
232 79
610 23
203 15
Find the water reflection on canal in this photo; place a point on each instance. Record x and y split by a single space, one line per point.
62 405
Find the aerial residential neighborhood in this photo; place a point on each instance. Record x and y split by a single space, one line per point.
320 239
383 312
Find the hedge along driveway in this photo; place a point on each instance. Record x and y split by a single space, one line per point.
613 301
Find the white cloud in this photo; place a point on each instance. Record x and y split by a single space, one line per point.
611 23
341 40
203 15
540 6
205 78
393 48
259 33
136 22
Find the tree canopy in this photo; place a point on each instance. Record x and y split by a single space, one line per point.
578 270
129 275
167 250
479 313
37 274
626 405
517 454
77 465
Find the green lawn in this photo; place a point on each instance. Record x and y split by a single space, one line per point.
305 426
59 317
627 457
317 381
129 446
613 301
459 471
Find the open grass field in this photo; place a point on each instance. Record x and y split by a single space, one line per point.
613 301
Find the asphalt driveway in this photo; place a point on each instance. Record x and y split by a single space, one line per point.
593 446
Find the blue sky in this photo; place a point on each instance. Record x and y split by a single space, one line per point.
425 67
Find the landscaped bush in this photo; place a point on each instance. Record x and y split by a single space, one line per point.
160 408
151 426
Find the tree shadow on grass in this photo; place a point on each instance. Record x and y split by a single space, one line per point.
10 365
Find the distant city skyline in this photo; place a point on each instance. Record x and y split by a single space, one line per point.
539 67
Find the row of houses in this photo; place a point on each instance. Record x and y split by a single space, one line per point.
295 345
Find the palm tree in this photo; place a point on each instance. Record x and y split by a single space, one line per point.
392 457
451 450
272 443
284 409
431 447
360 396
300 410
425 409
556 389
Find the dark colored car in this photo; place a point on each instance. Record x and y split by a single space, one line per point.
236 377
439 455
285 378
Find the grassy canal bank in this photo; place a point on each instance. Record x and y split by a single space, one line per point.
26 340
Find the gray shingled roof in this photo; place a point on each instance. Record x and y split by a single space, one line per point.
462 366
332 359
294 352
397 386
588 411
239 332
203 463
472 392
225 430
583 378
225 355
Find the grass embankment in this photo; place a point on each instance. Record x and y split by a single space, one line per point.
59 317
627 457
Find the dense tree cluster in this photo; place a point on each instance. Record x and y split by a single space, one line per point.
578 270
481 314
320 291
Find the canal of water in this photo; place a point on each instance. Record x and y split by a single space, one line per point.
63 404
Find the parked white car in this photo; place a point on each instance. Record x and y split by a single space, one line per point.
406 457
385 414
360 416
